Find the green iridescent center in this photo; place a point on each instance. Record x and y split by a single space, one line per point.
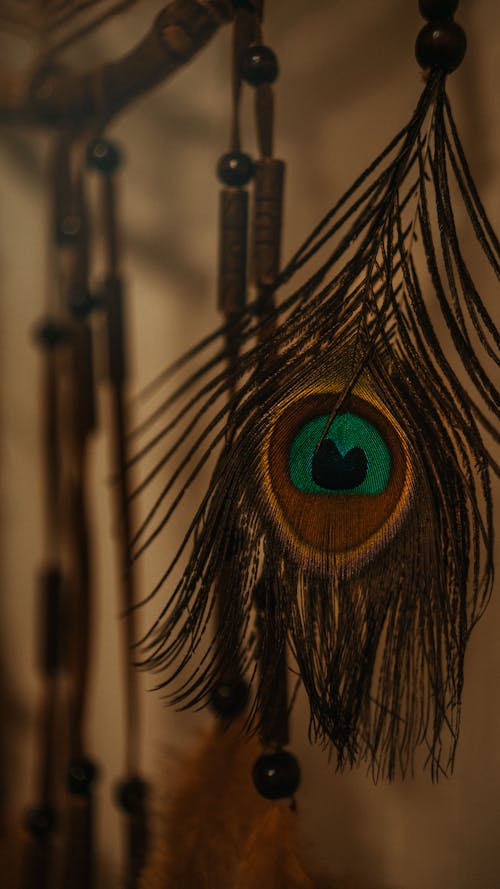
354 457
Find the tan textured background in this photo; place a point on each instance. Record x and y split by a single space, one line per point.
348 83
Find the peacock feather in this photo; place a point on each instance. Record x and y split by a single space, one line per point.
350 454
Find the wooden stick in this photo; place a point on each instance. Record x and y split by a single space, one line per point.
56 97
132 791
78 849
38 846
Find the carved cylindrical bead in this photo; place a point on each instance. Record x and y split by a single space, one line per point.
267 216
50 644
233 250
117 370
83 370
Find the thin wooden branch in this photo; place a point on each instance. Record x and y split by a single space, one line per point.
58 97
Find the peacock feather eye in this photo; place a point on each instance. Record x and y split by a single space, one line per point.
343 494
352 458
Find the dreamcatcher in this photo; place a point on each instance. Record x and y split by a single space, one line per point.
343 540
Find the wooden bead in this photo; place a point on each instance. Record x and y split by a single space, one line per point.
50 333
40 822
131 795
229 698
104 156
259 65
68 229
233 250
267 218
276 775
441 45
235 168
437 9
81 775
117 364
51 641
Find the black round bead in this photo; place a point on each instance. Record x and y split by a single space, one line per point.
43 86
69 229
259 65
437 9
81 776
235 168
104 156
131 794
441 45
40 822
276 775
82 302
228 699
50 333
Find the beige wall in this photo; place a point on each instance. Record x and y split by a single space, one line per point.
348 83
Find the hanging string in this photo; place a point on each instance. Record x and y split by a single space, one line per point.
235 170
78 852
105 157
276 773
41 822
259 68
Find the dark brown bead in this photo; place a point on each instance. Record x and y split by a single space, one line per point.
441 45
44 86
104 156
131 795
82 302
40 822
232 276
229 699
81 775
50 333
259 65
68 229
50 622
267 222
235 168
437 9
276 775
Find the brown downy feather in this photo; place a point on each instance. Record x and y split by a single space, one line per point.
210 817
218 833
272 858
